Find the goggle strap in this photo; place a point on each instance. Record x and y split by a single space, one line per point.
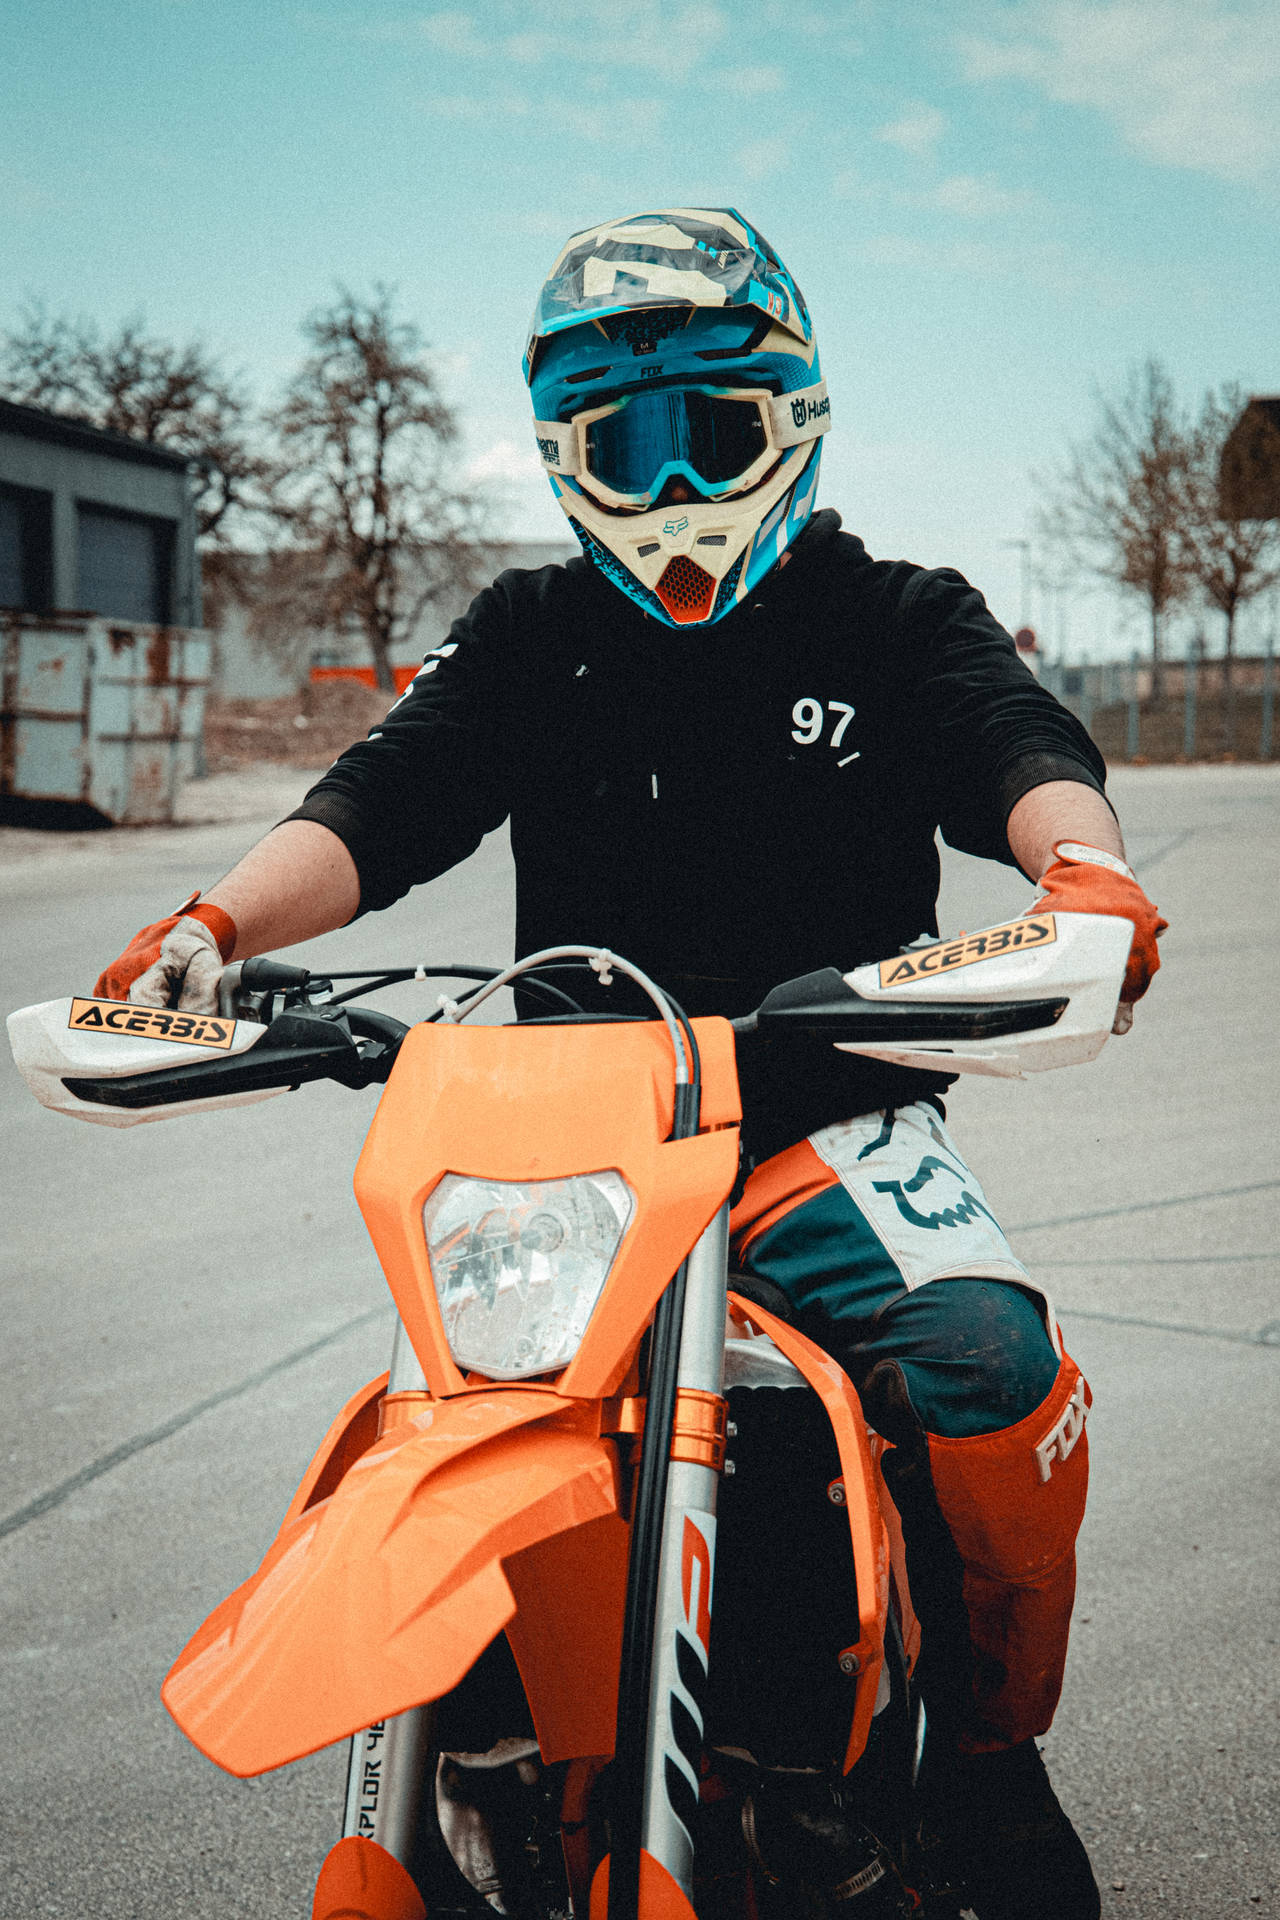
558 445
796 417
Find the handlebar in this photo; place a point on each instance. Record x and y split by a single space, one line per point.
314 1034
356 1046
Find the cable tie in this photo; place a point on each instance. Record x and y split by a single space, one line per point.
448 1008
420 971
602 965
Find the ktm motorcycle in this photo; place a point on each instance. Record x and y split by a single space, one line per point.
609 1509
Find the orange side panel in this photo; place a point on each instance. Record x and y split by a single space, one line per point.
575 1829
362 1881
897 1557
384 1595
774 1189
541 1103
866 1524
352 1433
566 1634
660 1896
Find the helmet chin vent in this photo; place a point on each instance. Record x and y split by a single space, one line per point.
686 590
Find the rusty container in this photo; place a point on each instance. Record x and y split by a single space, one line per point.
99 714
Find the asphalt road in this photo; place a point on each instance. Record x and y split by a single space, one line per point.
184 1305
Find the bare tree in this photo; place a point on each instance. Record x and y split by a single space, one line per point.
377 525
129 382
1232 558
1116 507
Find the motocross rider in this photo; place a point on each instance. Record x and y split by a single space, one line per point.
725 739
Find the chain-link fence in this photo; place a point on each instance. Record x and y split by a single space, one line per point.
1205 713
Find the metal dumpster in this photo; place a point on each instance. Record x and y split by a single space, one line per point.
99 714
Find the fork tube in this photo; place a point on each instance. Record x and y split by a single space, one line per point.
406 1368
682 1628
386 1773
635 1669
387 1785
667 1629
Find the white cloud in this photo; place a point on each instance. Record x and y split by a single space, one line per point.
25 198
454 33
452 364
974 197
651 37
750 82
896 250
666 39
761 158
529 48
965 196
611 120
544 224
1188 83
1044 263
596 120
813 23
916 131
505 461
493 109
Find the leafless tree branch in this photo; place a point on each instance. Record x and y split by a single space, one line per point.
1115 509
376 524
129 382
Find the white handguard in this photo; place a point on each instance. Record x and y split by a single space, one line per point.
189 964
85 1039
1076 957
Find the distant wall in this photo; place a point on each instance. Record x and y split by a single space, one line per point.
242 670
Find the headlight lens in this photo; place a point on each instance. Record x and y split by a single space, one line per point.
519 1265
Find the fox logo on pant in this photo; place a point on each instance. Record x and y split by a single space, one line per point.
966 1208
1062 1436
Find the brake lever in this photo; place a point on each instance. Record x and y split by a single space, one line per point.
261 989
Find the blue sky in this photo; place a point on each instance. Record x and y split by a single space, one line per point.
991 208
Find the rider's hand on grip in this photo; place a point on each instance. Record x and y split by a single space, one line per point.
177 962
1083 879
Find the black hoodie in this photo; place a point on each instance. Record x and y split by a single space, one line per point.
727 806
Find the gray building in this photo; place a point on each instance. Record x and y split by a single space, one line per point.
1249 477
94 522
102 671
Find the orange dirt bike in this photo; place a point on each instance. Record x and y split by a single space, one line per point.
548 1574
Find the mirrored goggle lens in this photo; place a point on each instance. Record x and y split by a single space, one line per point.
716 436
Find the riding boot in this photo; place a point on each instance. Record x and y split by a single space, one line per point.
989 1523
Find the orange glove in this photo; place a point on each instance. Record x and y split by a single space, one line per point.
177 962
1085 880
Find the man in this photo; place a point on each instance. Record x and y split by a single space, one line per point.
724 741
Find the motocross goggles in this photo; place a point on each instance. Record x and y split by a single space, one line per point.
722 440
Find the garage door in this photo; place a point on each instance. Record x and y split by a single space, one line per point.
124 565
12 584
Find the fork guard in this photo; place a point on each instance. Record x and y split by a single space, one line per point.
384 1585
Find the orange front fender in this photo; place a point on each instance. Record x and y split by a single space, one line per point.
383 1594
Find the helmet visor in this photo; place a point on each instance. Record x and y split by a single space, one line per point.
718 440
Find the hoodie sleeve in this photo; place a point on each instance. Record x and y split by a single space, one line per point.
995 732
419 794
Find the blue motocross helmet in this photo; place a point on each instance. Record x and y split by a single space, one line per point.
679 406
